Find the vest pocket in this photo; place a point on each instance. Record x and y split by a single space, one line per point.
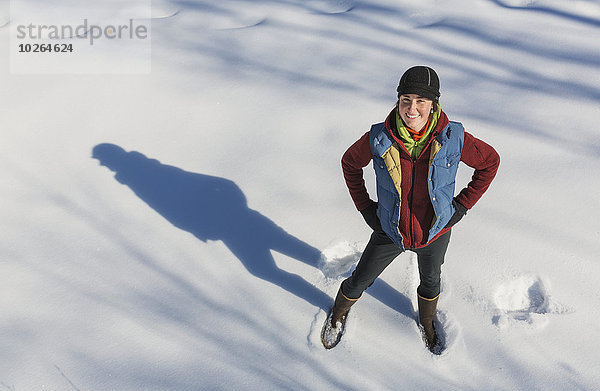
447 161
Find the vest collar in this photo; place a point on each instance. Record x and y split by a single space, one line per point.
390 127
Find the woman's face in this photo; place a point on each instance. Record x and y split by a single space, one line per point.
414 110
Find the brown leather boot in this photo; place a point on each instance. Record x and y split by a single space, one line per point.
341 306
334 326
427 308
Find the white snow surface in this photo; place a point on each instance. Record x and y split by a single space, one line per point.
199 266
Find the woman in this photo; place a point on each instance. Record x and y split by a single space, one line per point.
415 154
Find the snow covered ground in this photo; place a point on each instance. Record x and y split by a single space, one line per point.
197 266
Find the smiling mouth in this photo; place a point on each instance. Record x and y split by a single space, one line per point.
412 116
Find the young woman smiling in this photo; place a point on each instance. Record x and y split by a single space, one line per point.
415 152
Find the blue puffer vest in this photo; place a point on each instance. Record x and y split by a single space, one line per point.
444 159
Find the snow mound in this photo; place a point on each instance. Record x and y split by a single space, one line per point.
331 6
426 13
338 259
164 12
525 299
524 294
517 3
227 15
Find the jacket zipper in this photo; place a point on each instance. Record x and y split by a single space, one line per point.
412 185
412 189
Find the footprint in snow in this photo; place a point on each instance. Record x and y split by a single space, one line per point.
448 330
338 259
525 300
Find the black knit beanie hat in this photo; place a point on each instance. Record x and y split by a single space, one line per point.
420 80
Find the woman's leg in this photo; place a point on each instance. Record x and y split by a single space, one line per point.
430 260
378 254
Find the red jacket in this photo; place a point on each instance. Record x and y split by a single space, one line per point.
415 203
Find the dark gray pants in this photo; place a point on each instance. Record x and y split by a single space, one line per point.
381 251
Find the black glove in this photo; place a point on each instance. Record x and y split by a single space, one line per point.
459 213
370 216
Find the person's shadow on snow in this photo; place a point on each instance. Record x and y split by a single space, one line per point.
213 208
